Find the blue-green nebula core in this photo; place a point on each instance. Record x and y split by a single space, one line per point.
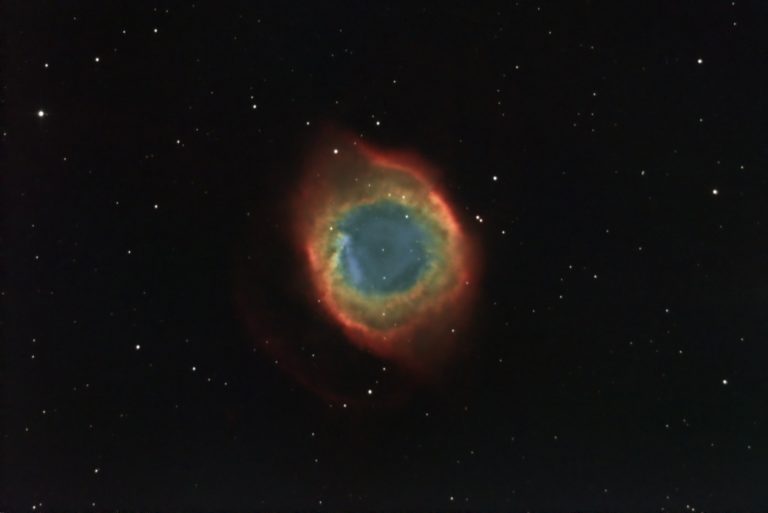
383 248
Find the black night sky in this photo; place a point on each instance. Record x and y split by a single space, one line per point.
609 158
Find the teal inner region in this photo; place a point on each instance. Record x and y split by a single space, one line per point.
383 249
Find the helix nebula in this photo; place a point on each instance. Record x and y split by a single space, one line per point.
386 256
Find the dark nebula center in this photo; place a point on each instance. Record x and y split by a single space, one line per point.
383 248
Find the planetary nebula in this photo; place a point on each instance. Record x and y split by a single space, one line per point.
385 254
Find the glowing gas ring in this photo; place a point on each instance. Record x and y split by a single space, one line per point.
386 255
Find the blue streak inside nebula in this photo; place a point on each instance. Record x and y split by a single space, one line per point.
382 248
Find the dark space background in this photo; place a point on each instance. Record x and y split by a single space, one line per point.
616 355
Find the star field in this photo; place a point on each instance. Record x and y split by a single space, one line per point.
164 348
